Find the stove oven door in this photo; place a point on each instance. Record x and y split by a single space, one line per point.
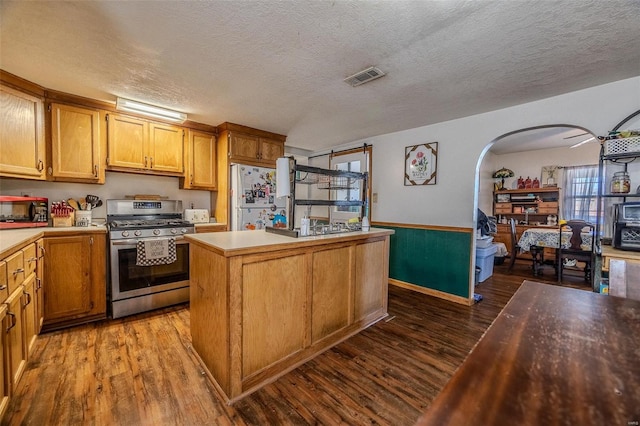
130 280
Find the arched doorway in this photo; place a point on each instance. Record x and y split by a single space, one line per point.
526 153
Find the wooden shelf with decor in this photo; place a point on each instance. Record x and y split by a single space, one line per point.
529 207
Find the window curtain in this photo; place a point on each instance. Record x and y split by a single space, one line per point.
580 186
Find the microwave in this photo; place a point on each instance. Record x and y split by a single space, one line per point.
626 226
23 212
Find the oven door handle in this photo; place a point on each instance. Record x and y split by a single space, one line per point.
134 241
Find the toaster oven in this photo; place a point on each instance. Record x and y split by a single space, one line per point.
23 212
626 226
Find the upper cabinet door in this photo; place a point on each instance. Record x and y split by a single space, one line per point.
75 144
200 161
244 147
271 150
22 147
166 148
127 139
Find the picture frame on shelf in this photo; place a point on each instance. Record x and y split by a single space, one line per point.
421 164
549 176
503 198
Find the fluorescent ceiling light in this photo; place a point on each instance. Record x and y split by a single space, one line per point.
583 142
123 104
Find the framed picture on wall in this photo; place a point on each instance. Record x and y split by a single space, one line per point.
420 164
549 176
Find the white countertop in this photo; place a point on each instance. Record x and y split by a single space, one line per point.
10 239
237 242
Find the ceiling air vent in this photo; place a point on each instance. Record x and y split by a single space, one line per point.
364 76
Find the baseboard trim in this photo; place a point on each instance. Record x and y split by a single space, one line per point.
432 292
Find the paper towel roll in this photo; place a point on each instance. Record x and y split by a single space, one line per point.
283 187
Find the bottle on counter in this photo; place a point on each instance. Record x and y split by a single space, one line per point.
305 224
365 224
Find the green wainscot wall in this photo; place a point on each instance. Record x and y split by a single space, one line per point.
435 259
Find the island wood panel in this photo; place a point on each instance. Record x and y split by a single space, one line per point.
210 304
332 292
371 282
270 306
273 311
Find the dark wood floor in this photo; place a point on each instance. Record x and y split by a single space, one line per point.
140 370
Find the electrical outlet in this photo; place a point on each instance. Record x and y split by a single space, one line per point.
374 197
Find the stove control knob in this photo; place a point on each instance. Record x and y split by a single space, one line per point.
156 232
174 231
183 230
137 233
125 234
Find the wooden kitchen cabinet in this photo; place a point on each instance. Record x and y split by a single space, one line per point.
15 270
4 366
22 142
39 296
142 146
74 279
200 161
77 154
4 283
14 335
28 305
246 145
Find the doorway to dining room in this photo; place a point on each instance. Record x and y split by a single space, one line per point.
528 155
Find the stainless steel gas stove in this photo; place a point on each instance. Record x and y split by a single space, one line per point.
149 257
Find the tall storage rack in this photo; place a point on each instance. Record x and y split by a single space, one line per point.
615 155
324 179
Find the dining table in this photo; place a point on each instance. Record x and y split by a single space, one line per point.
553 356
550 237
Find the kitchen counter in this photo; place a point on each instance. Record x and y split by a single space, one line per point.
261 303
12 239
235 243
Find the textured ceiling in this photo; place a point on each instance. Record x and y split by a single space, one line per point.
279 65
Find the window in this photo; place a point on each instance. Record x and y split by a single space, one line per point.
580 188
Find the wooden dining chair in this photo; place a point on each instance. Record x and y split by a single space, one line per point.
576 251
515 248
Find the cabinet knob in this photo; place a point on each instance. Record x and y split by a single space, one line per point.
18 271
145 161
95 170
151 163
40 165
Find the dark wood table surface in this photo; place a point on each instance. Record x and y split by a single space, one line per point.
554 356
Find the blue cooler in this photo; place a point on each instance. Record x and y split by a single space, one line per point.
484 261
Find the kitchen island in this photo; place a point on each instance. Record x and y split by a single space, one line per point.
261 304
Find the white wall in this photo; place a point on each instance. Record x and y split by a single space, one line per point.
452 201
117 185
529 164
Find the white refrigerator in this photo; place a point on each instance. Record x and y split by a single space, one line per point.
254 204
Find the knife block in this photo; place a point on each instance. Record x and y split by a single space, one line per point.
63 221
